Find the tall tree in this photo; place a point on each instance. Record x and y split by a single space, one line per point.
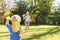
22 5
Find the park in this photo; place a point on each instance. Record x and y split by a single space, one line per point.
44 16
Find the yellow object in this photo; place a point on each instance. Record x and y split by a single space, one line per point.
15 26
8 18
7 14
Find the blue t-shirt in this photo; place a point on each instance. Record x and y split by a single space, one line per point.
13 35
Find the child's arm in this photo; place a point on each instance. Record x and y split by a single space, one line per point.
30 19
7 20
7 24
21 30
23 16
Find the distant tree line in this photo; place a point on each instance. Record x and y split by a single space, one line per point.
40 13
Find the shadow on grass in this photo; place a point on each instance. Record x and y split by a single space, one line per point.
3 32
4 35
52 31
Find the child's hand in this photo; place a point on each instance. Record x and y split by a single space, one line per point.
23 15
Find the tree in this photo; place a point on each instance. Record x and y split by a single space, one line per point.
43 6
22 5
39 11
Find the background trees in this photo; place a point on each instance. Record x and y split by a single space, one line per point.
41 11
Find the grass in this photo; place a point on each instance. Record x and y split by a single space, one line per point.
39 32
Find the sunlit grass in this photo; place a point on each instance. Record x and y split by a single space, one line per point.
39 32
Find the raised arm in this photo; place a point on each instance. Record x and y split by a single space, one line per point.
23 16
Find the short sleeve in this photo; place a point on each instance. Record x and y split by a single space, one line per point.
9 26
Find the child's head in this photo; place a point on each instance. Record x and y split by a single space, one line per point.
13 17
16 17
27 13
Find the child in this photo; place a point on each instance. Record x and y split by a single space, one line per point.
17 22
26 17
14 35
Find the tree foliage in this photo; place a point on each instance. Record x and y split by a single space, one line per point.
40 11
22 5
43 6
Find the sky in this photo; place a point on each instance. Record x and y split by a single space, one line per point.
55 3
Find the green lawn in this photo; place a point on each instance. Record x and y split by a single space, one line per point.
38 32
